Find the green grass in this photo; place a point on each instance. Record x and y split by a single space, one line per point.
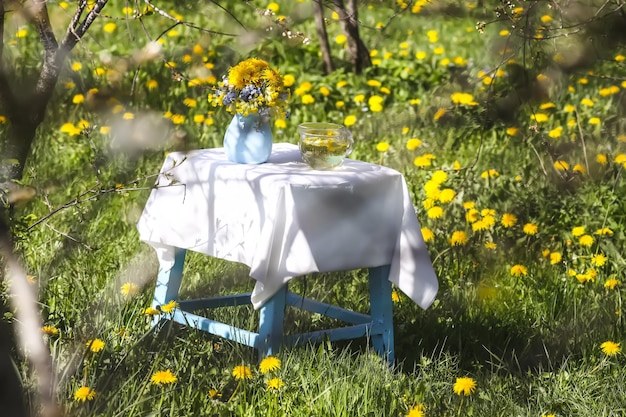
531 342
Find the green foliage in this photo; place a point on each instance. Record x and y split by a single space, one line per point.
521 311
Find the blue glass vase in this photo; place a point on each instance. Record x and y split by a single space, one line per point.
248 139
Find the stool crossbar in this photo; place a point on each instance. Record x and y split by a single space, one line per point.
378 325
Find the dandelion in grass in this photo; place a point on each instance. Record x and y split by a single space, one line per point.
490 173
610 348
569 108
395 297
109 27
324 91
169 307
424 160
269 364
490 245
95 345
439 114
620 158
578 231
539 117
586 240
213 393
561 165
595 121
472 215
418 410
413 144
586 102
129 289
530 229
349 120
50 330
447 195
382 146
458 238
242 372
464 386
611 283
508 220
435 212
555 258
308 99
275 384
602 159
150 311
598 260
556 133
163 377
427 234
511 131
518 270
83 394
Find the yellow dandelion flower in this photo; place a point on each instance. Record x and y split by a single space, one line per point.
464 386
435 212
109 27
610 348
76 66
418 410
530 229
518 270
511 131
129 289
349 120
169 307
269 364
83 394
163 377
458 238
242 372
490 173
50 330
439 114
395 297
447 195
598 260
611 283
382 146
561 165
578 231
602 159
413 144
275 384
508 220
128 116
151 311
586 240
605 231
427 234
423 160
95 345
555 258
490 245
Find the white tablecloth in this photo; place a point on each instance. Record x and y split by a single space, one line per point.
284 219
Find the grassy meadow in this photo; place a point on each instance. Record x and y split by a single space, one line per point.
513 151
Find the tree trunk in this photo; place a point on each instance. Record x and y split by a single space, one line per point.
320 26
348 18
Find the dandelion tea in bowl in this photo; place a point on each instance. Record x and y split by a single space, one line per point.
324 145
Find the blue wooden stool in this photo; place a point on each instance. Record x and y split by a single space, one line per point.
378 325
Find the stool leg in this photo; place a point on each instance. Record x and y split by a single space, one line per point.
381 310
271 323
168 282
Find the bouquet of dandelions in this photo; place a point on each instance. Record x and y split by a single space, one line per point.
252 87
